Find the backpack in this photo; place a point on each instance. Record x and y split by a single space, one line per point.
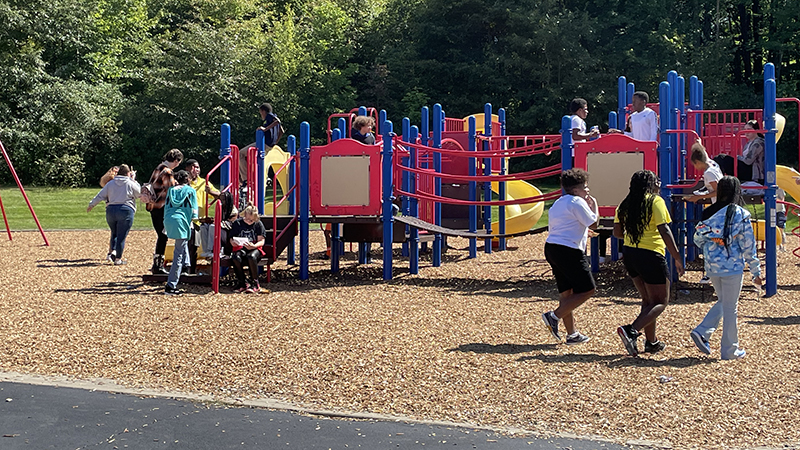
148 194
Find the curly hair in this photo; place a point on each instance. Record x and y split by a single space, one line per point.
573 177
636 210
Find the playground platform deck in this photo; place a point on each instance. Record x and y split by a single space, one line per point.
462 342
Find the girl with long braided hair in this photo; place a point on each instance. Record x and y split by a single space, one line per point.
642 220
726 238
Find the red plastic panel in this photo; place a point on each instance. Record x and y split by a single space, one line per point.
345 147
617 143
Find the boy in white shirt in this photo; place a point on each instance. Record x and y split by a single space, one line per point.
570 217
643 122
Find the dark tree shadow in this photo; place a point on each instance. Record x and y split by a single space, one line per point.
782 321
54 263
501 349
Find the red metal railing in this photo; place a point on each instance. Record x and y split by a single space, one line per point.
276 236
233 158
795 210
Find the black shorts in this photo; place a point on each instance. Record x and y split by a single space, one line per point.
570 268
648 264
780 219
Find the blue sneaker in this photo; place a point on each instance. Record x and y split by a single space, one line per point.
551 322
701 342
577 338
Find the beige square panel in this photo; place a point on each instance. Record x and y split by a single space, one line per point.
345 180
610 175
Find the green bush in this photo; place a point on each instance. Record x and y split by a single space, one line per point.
63 171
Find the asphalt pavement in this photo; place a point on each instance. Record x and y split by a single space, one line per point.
51 417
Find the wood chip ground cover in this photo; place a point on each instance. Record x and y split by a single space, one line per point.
461 342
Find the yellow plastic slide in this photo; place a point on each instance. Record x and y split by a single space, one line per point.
276 158
519 218
786 181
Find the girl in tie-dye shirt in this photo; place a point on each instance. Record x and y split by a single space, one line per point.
728 243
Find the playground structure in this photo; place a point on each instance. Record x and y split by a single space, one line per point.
446 175
24 195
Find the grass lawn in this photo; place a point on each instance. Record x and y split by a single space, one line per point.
65 209
60 209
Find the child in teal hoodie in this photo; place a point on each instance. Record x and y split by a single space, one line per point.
728 243
179 210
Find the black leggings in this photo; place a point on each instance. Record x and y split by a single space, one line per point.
249 257
157 217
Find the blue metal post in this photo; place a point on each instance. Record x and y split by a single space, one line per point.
404 183
387 200
770 180
679 221
665 154
691 208
438 119
629 93
622 103
343 128
424 138
612 119
473 188
487 170
262 186
225 150
566 143
413 264
502 209
336 249
362 110
305 149
291 144
424 129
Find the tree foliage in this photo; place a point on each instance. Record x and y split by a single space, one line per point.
87 84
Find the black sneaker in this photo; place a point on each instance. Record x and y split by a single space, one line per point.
628 336
172 291
653 347
551 322
577 338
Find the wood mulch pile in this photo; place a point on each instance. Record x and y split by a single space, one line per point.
461 342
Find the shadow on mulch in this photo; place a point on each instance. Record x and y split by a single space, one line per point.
112 288
789 287
500 349
570 358
783 321
55 263
626 361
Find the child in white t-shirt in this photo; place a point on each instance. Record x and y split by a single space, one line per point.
570 217
711 173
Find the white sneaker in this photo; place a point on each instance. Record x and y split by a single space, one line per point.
111 256
705 280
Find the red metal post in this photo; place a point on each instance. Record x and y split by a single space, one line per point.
24 195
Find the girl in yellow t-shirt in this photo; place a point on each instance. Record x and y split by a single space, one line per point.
642 220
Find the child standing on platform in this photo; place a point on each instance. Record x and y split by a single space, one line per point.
570 217
642 220
728 243
711 173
